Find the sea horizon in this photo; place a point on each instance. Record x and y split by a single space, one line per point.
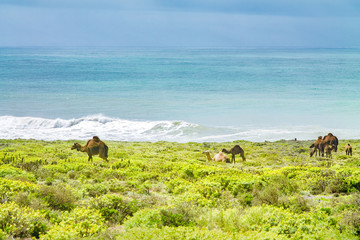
179 94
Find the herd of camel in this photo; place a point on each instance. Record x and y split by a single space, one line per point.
325 145
322 146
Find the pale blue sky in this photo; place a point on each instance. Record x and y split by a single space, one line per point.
190 23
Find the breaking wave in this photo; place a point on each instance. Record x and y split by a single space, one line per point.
128 130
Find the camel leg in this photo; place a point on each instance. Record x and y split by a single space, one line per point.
90 157
103 157
233 158
243 156
102 153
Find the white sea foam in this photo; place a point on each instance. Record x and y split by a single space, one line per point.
125 130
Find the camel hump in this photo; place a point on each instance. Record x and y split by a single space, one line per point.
96 138
88 143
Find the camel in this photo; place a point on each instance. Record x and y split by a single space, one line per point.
235 150
348 149
330 139
219 157
316 146
93 147
328 148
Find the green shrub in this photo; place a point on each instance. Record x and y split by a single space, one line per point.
267 195
114 208
79 223
299 204
145 218
3 235
351 220
237 187
22 199
337 184
10 172
94 190
180 233
58 197
8 188
182 215
21 222
245 199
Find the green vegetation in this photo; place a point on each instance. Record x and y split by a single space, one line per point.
168 190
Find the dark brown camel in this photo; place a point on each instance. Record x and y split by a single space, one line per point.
348 149
93 147
235 150
328 148
330 139
316 146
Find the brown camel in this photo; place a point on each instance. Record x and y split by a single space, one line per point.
330 139
316 146
328 148
348 149
219 157
235 150
93 147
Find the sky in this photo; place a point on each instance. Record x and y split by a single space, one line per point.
181 23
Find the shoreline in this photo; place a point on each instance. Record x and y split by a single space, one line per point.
117 129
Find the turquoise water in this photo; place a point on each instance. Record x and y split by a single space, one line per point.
179 94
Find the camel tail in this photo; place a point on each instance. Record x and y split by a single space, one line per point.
312 145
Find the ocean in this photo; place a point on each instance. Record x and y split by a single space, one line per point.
179 94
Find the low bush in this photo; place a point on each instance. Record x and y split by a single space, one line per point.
114 208
10 172
76 224
182 215
21 222
59 197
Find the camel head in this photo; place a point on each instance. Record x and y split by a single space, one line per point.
225 151
76 146
312 153
207 153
